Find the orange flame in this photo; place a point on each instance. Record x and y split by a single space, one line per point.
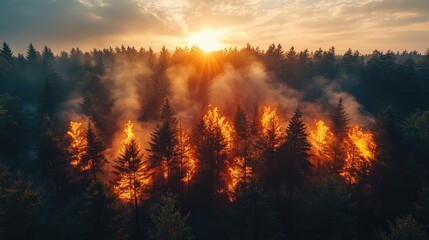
321 139
238 172
214 122
271 129
187 155
77 146
360 152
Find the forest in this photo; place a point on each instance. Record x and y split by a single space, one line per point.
250 143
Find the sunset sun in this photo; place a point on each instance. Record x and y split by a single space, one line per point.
207 40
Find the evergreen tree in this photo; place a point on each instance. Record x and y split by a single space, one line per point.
241 124
295 153
325 218
33 56
94 152
102 217
339 121
168 222
405 228
21 208
164 142
6 52
253 217
132 173
51 159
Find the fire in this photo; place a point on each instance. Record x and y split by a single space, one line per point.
321 139
187 156
271 129
128 130
77 146
238 172
214 122
360 151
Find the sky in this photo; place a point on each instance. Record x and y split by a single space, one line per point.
362 25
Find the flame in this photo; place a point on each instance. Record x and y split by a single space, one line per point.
128 130
214 122
238 172
360 152
187 156
77 146
271 129
321 139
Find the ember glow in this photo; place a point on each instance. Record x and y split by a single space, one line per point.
360 154
187 156
271 129
214 123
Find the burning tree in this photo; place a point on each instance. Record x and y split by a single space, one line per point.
86 149
164 141
239 173
321 141
188 163
270 140
131 171
360 151
213 146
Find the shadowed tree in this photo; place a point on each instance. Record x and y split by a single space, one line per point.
339 121
6 53
102 217
253 218
94 152
405 228
168 223
294 155
163 143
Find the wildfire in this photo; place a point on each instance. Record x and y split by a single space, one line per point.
271 129
360 149
214 122
321 139
77 146
238 172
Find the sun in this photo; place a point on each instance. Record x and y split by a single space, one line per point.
207 40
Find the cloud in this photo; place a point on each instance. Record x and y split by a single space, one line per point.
361 24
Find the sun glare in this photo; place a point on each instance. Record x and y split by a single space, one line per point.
207 40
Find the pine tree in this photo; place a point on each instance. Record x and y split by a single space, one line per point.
295 153
241 124
94 152
51 159
253 217
164 141
6 52
33 55
339 121
102 217
168 222
132 174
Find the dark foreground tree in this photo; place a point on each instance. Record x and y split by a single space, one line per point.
405 228
21 213
295 153
253 218
168 222
325 217
339 121
102 217
94 152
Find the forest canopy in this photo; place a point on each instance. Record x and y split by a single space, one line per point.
126 143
